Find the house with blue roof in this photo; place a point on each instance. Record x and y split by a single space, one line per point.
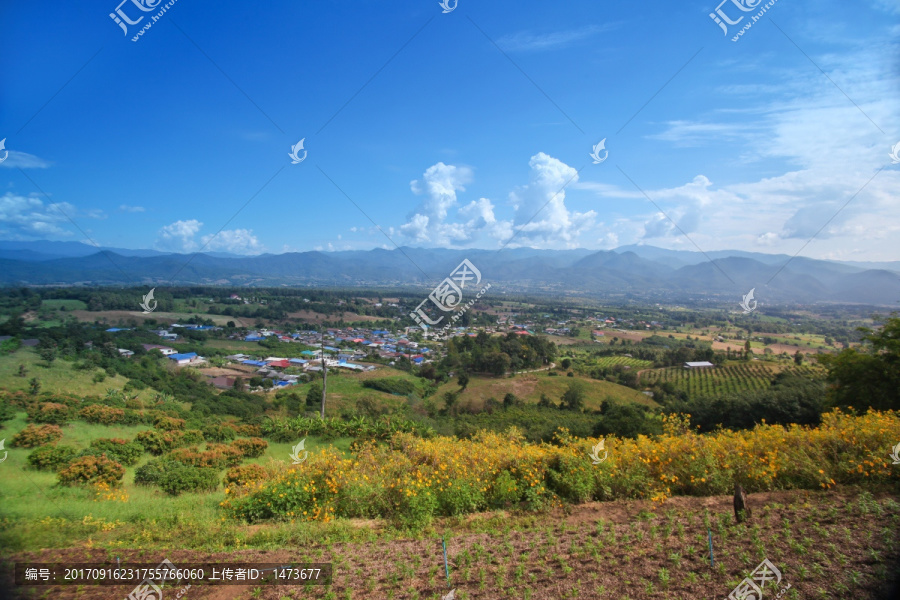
186 358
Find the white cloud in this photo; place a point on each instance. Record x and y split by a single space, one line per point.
23 160
427 223
178 237
541 218
235 241
131 209
524 41
25 217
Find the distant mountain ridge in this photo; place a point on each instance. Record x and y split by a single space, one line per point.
626 270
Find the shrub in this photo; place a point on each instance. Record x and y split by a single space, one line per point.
168 424
149 474
51 458
251 448
92 469
50 412
123 451
391 385
104 415
192 436
218 433
157 443
244 474
185 478
33 436
248 430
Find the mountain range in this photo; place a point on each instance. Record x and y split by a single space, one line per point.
629 270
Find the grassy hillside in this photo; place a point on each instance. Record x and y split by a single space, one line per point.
60 377
529 388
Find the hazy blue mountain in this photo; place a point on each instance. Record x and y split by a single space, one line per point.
631 270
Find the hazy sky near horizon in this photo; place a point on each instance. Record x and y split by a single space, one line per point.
471 128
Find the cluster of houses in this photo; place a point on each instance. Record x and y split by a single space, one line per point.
350 343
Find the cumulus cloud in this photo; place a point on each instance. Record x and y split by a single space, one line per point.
236 241
427 223
23 217
178 237
541 216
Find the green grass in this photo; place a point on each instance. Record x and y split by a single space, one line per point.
36 512
60 377
529 388
69 304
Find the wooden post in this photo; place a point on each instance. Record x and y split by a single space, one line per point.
324 376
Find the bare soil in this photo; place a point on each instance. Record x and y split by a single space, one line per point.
836 544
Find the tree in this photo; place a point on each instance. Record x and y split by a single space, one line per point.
573 398
566 363
48 354
238 384
463 380
34 386
511 399
798 358
868 376
747 350
314 394
22 371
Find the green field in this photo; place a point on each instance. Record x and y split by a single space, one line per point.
61 377
530 387
611 361
68 304
728 379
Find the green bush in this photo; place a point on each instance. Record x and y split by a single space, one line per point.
33 436
251 447
244 474
150 473
157 443
105 415
185 478
52 413
192 436
123 451
218 433
391 385
570 478
92 469
51 458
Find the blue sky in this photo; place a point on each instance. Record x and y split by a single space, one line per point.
453 130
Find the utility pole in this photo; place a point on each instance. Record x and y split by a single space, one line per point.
324 375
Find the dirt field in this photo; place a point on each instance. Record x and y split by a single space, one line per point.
831 545
312 316
113 316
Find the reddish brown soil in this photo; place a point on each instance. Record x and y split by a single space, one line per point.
836 544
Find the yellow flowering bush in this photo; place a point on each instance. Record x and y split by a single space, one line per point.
410 479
